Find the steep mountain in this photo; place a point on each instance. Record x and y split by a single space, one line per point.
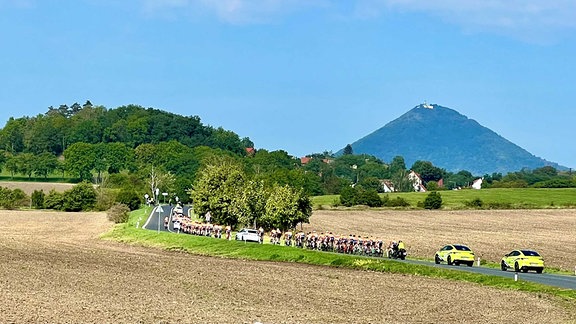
449 140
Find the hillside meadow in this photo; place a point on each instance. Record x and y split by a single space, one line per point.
497 198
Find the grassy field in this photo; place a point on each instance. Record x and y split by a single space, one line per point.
128 233
513 198
54 177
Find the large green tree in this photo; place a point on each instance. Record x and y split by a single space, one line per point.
80 159
286 207
45 164
218 191
428 172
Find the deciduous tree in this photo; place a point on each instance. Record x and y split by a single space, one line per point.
79 159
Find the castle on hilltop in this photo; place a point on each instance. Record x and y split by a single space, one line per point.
427 106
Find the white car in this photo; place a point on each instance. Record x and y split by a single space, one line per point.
248 234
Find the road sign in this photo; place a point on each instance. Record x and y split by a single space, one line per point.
160 211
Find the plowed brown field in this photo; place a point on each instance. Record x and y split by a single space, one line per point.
489 233
29 187
54 269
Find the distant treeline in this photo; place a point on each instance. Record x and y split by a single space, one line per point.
131 125
128 146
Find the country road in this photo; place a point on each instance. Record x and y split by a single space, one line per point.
561 281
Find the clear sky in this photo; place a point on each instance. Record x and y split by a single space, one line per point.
305 76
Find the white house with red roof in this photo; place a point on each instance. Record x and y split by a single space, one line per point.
417 182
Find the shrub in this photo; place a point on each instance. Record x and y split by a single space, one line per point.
38 199
54 200
474 203
432 186
499 205
118 213
398 202
370 198
11 199
104 199
81 197
348 196
129 198
433 201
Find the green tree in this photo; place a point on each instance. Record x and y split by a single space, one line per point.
81 197
146 155
11 164
129 198
286 207
348 196
348 150
253 202
401 181
38 199
54 200
12 135
45 164
44 134
10 199
26 164
217 190
119 157
433 201
100 163
79 159
432 186
371 183
397 165
546 171
428 172
369 198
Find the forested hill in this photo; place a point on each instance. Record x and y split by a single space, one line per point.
132 125
449 140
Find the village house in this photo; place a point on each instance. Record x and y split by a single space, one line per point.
477 184
416 181
387 185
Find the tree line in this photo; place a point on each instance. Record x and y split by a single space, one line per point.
54 131
136 150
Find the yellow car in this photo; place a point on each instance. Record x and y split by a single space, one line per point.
455 254
523 260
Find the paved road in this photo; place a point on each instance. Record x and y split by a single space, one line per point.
562 281
156 218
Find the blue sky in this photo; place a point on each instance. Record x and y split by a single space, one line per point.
304 76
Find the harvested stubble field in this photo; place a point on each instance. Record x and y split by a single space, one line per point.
55 269
489 233
29 187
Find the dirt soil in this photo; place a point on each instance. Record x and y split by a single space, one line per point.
489 233
29 187
54 269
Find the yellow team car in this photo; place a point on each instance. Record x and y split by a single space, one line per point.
523 260
454 254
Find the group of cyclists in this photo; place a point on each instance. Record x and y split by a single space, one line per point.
347 244
183 224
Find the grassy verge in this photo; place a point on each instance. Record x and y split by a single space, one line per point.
128 233
498 198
